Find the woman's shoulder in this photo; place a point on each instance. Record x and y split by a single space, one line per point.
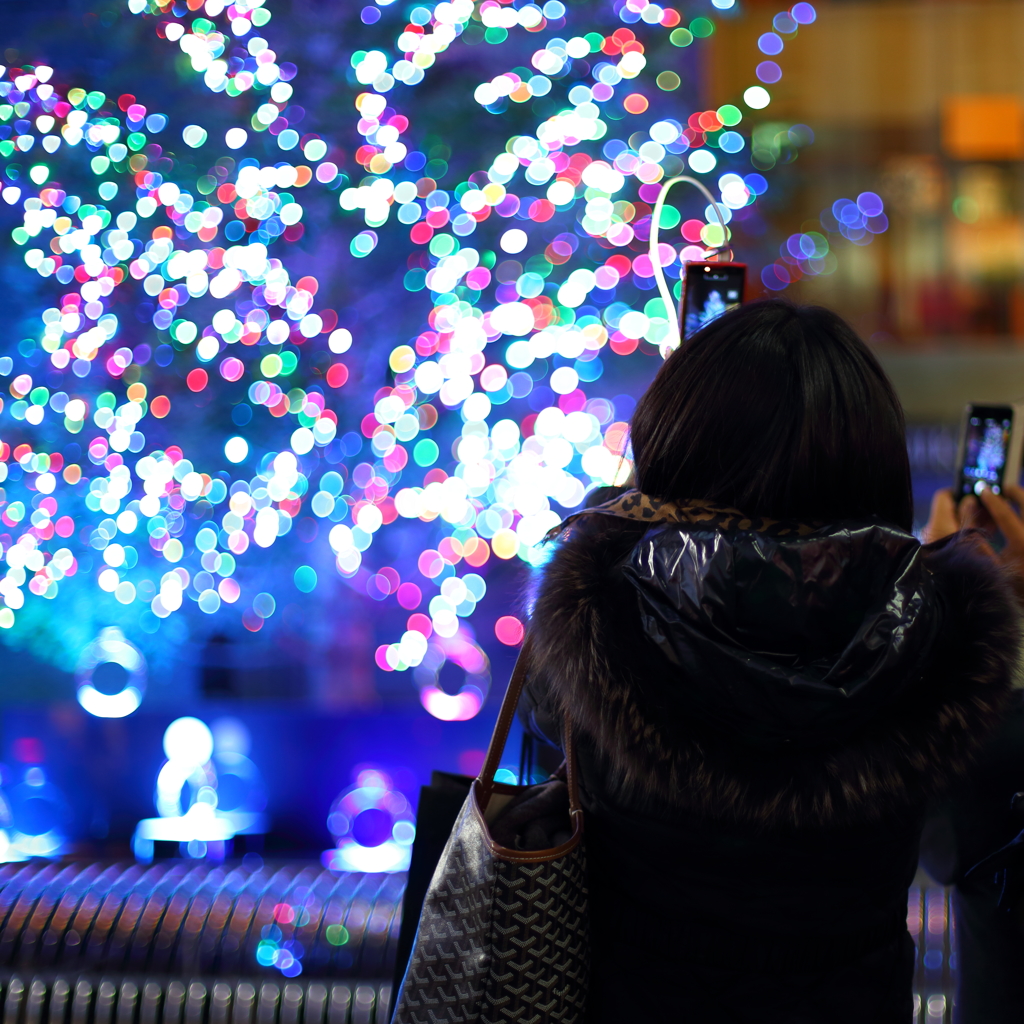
602 664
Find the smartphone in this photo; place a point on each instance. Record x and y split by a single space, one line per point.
991 442
709 290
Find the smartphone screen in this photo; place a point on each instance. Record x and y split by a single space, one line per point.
709 290
985 448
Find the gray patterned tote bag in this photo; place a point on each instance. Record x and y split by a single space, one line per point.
503 933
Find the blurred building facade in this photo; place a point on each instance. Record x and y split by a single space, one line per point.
922 102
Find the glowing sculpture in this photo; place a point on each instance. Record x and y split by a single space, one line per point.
110 648
373 826
34 818
206 822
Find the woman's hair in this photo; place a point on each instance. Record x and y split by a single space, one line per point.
777 410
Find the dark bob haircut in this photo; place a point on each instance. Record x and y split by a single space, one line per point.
777 410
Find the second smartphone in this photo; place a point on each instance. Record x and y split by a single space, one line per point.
991 443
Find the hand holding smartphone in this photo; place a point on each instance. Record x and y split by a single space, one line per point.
991 443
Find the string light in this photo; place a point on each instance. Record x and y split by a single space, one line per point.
532 274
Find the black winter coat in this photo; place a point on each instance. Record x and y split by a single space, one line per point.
762 711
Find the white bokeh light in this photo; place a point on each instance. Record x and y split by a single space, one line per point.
514 240
236 449
188 741
702 161
757 97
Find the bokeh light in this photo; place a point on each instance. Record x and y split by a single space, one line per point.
196 430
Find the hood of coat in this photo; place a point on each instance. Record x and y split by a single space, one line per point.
826 675
786 636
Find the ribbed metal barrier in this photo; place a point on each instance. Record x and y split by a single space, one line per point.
194 920
63 999
182 942
933 927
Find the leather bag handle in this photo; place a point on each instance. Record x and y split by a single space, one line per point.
570 765
503 725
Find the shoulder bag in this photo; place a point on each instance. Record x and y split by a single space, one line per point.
503 934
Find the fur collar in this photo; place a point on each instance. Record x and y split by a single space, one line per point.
618 687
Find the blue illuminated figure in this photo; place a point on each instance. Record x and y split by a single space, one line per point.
373 826
207 791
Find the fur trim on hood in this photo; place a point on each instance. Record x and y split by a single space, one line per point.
623 693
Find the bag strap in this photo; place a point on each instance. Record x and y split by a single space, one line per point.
503 725
570 765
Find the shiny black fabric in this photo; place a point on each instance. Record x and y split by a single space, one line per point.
800 638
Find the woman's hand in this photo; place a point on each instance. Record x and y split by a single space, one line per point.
944 518
987 513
